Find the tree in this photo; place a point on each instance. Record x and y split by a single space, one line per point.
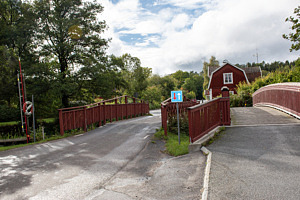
102 80
168 83
18 25
152 94
70 32
134 75
180 76
8 68
212 63
194 84
294 36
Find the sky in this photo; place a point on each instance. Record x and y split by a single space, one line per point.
171 35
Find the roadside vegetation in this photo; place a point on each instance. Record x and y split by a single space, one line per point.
284 73
171 142
40 140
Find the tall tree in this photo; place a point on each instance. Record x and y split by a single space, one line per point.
135 75
180 76
70 32
294 36
18 26
212 63
8 67
195 84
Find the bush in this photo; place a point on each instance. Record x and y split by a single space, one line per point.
183 121
15 131
11 131
50 128
154 105
8 114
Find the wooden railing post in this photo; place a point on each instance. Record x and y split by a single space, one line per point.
61 123
164 119
126 107
191 128
225 106
134 107
142 107
85 119
99 110
104 113
116 105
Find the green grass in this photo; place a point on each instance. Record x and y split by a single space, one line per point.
47 120
172 146
5 148
8 123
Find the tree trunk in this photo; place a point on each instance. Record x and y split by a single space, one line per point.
63 70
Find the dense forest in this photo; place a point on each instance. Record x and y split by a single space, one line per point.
64 62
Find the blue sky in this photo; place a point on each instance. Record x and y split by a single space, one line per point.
168 35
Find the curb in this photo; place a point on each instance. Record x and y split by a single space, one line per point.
206 174
196 146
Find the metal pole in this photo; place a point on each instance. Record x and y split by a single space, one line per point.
24 100
178 123
21 105
43 133
33 119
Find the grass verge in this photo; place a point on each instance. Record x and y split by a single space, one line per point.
54 137
47 120
9 123
172 146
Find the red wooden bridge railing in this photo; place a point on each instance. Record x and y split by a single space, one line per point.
168 110
205 117
82 116
283 96
202 117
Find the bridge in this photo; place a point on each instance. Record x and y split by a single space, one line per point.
257 157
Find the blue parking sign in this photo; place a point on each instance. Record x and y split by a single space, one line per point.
176 96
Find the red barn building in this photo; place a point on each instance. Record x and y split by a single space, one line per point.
229 75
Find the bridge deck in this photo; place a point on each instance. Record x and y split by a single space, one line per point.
257 158
260 116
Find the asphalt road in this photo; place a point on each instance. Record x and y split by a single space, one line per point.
72 168
118 161
260 160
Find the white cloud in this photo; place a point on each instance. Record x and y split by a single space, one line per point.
227 29
186 4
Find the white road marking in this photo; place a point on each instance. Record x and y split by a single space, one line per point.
146 136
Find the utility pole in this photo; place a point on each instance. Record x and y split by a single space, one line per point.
256 55
22 96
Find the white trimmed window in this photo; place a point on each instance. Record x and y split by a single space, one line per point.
231 92
228 78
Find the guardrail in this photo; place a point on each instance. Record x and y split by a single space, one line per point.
82 116
168 110
205 117
202 117
283 96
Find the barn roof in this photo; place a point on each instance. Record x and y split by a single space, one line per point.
251 72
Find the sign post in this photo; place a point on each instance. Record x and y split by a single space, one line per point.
176 97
